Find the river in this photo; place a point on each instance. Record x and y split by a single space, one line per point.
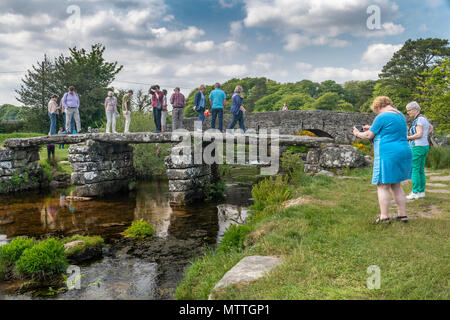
146 270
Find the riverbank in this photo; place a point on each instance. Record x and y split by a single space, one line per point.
321 229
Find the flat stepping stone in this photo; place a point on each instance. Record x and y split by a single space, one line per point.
437 185
429 174
350 178
439 191
248 269
445 178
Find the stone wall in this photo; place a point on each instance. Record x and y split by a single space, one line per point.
101 168
334 157
338 125
19 169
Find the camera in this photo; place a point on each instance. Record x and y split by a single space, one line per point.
360 128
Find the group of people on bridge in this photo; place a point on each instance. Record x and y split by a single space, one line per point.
69 108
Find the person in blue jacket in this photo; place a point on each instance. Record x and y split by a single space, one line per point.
200 106
237 109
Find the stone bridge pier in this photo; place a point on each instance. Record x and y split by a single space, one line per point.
101 168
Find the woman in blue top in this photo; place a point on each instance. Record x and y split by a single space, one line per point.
237 109
393 157
200 106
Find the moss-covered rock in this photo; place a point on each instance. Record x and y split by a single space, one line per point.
81 249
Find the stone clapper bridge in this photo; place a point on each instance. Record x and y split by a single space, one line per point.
103 163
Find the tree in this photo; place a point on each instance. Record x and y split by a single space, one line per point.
294 101
327 101
141 101
91 75
434 94
405 69
309 87
331 86
35 92
358 92
398 95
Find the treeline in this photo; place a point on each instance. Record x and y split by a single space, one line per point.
9 112
263 95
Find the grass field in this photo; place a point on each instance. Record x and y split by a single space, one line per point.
327 243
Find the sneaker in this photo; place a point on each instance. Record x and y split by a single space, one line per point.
421 195
413 196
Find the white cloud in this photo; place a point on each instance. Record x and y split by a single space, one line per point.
377 55
341 75
319 22
295 42
210 68
265 61
372 61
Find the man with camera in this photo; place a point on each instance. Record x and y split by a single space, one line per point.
157 104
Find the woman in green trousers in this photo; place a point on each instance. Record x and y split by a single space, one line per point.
418 139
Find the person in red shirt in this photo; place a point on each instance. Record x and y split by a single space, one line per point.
157 104
178 102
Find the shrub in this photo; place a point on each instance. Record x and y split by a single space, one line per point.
271 192
140 230
44 260
292 163
214 190
11 253
234 239
306 133
438 158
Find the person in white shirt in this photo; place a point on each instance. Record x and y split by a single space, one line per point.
111 111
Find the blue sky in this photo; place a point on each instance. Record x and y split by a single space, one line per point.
187 43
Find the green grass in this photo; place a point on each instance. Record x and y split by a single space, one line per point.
438 158
327 244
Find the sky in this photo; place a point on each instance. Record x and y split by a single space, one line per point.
187 43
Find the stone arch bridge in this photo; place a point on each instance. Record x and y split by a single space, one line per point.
103 163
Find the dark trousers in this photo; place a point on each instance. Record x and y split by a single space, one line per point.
237 118
201 117
215 113
157 117
50 151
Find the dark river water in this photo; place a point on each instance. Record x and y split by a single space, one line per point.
127 271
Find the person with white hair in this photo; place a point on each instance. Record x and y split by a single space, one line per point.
111 112
418 139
